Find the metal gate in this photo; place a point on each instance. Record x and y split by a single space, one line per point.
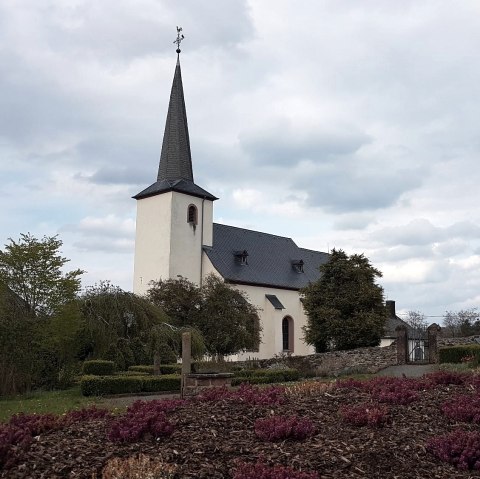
418 347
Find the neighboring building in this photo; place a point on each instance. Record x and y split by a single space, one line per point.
392 323
176 236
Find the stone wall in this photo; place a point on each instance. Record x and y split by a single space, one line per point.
442 342
334 363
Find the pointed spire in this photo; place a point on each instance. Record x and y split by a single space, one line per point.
176 158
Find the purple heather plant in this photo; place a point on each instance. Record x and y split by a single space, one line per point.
463 408
364 415
459 448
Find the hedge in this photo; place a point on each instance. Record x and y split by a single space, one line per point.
101 385
99 367
164 369
455 354
261 376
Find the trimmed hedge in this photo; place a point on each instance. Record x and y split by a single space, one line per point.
99 367
164 369
263 376
455 354
101 385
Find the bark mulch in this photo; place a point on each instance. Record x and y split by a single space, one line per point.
210 436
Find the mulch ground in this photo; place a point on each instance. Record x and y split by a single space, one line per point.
210 436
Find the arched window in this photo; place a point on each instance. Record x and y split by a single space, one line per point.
287 334
192 215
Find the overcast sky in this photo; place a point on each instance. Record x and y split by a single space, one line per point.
352 125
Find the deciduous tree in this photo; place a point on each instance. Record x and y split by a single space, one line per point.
228 321
32 269
345 307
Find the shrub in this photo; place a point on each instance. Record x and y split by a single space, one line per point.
135 467
455 354
447 378
13 441
463 408
395 396
144 418
144 369
98 367
309 388
364 415
91 413
459 448
167 382
261 471
101 385
263 376
35 424
278 428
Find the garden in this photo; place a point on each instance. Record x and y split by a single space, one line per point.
379 427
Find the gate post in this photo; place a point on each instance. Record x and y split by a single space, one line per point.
432 332
402 344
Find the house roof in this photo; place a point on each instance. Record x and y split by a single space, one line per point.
391 324
175 172
270 260
181 186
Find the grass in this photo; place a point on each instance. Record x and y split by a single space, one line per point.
41 402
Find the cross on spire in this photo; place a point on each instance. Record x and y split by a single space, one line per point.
179 39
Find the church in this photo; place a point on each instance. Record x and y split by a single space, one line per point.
176 236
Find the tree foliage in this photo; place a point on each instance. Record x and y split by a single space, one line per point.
228 321
465 322
128 329
32 269
345 307
416 320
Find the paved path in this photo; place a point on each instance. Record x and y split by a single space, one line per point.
409 370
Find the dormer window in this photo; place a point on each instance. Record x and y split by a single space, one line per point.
241 257
192 215
297 265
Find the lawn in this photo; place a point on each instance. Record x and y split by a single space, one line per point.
41 402
379 428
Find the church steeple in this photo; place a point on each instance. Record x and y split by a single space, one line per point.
176 158
175 172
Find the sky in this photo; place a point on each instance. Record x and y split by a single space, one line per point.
349 125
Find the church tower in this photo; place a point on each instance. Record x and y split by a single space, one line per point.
174 215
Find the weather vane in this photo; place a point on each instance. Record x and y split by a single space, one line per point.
179 39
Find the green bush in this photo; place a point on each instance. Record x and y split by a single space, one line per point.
455 354
167 382
261 376
164 369
102 385
144 369
99 367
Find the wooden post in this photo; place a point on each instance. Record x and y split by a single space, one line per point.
186 359
432 332
402 345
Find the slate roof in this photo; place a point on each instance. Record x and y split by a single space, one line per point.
269 258
176 158
175 171
391 324
182 186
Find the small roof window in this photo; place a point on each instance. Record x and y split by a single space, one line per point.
241 256
297 265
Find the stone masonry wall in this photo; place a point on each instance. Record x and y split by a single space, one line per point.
361 360
442 342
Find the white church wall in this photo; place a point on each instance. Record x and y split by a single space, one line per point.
152 241
271 318
186 238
